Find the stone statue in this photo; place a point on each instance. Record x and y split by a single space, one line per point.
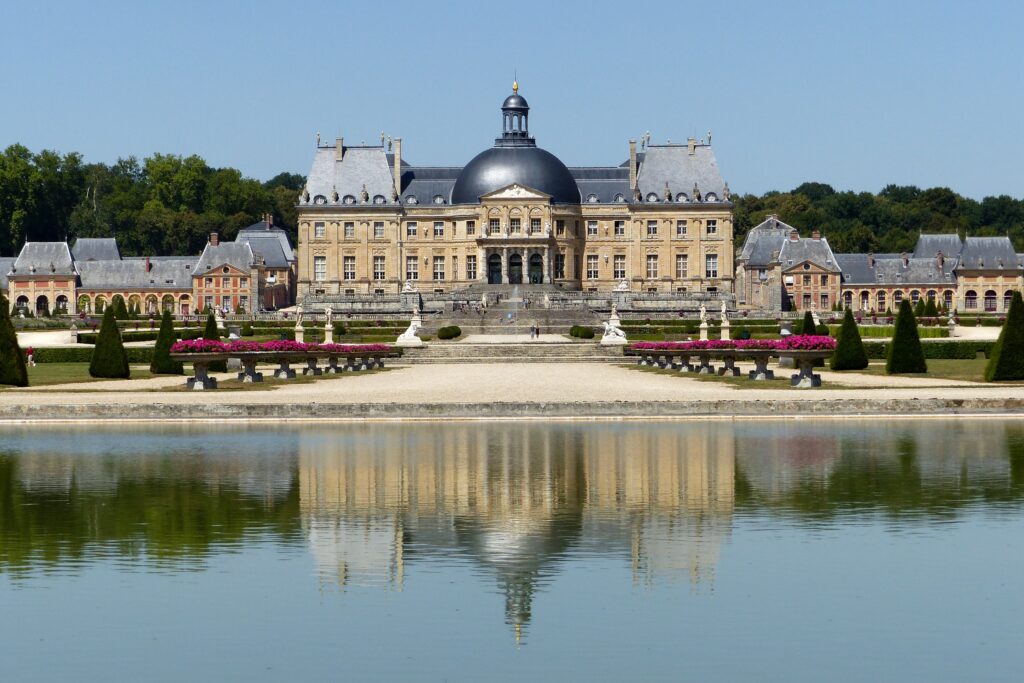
817 320
298 314
305 195
703 314
696 193
409 337
637 195
723 309
364 195
726 193
668 193
334 195
613 336
330 315
408 287
623 286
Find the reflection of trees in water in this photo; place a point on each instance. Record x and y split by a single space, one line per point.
160 513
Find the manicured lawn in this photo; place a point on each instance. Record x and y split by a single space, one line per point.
965 370
61 373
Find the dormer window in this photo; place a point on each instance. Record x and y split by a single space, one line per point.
319 199
711 197
592 198
411 199
619 198
438 199
681 197
348 199
379 199
652 196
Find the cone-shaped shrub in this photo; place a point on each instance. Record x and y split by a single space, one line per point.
905 354
930 310
120 310
850 353
807 326
108 356
12 363
1006 361
162 363
919 308
211 332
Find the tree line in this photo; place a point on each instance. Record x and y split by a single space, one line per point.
162 205
168 204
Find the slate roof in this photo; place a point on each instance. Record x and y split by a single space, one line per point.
5 265
763 241
681 170
95 249
263 229
268 249
359 166
928 245
236 254
804 249
130 273
889 270
988 253
37 258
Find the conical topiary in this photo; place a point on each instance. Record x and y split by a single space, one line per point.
807 326
12 363
930 310
108 356
919 308
850 353
211 332
905 353
1006 361
162 363
120 310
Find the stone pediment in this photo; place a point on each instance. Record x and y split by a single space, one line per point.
516 191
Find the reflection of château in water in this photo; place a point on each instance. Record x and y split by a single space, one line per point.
516 499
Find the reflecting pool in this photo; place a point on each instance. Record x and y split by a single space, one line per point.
800 550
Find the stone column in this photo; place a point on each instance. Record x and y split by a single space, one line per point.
481 265
504 265
547 266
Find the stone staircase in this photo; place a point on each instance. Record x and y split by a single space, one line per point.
526 352
512 318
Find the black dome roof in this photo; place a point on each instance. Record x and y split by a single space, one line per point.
515 101
532 167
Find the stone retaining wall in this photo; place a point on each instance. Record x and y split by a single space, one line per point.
782 408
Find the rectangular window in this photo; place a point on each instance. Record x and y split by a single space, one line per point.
712 226
243 282
209 282
559 227
378 267
711 265
681 228
591 228
807 302
319 268
652 228
682 265
824 280
471 267
349 269
470 228
378 230
652 266
319 229
493 226
225 283
438 229
412 271
534 225
225 302
208 302
591 266
560 265
807 280
516 226
619 269
620 228
439 267
243 302
824 302
410 229
350 230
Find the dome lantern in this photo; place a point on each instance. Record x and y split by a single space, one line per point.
515 114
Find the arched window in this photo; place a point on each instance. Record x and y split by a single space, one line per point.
61 304
990 301
379 199
84 304
411 199
167 303
348 199
711 197
970 299
184 304
652 197
681 197
864 300
881 302
319 199
848 299
1007 298
438 199
947 299
22 303
897 297
619 198
915 296
592 198
931 295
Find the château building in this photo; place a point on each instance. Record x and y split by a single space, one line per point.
372 223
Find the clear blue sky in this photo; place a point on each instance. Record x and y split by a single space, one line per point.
855 94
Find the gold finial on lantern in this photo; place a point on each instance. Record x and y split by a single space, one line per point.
515 86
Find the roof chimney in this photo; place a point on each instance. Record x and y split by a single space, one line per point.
905 259
149 266
632 164
794 235
940 259
871 259
398 165
815 235
691 145
214 239
339 148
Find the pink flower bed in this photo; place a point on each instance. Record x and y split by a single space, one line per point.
796 342
213 346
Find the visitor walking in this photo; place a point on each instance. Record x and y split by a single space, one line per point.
30 354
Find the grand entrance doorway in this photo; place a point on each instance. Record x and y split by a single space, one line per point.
494 269
515 269
536 269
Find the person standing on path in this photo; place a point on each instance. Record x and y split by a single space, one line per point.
30 356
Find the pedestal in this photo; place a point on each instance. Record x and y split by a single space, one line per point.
704 330
202 379
729 367
311 368
284 371
248 374
613 340
300 333
725 329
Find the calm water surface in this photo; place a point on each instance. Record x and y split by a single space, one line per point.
801 551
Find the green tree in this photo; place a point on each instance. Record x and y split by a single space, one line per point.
1006 361
162 363
905 353
12 362
849 353
108 356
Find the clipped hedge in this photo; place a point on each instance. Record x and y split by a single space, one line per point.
905 354
449 332
581 332
945 350
1006 360
148 335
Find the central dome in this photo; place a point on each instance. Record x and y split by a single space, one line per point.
532 167
515 159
